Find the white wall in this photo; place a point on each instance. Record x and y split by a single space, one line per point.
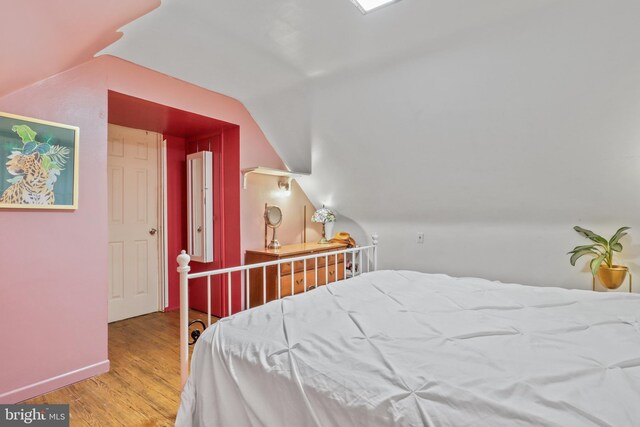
494 145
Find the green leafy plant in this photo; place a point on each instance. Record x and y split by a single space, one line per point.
601 249
25 133
54 157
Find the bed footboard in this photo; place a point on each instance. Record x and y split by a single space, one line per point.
362 259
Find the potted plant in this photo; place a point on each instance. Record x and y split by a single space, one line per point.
602 250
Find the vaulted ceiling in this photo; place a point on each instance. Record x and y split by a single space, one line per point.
270 54
267 54
43 38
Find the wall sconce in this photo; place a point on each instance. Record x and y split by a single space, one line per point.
284 184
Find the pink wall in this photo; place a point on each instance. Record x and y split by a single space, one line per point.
53 286
53 321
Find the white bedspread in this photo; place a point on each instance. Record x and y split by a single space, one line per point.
403 348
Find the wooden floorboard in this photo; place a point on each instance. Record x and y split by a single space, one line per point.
142 387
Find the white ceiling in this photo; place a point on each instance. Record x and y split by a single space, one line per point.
267 54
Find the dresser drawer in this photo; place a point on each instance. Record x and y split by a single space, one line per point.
298 266
311 263
298 282
298 279
330 274
331 260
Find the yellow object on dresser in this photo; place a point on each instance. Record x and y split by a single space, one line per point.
328 270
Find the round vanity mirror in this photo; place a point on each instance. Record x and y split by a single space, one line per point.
273 216
273 219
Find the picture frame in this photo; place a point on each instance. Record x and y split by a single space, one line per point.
38 163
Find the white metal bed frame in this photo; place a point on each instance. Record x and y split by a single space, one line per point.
364 258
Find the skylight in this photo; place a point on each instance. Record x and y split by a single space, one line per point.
367 6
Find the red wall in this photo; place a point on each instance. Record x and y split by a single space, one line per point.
186 133
176 210
225 147
230 152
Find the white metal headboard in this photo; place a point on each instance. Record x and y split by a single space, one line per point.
363 259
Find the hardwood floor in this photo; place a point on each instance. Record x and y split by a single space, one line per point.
143 386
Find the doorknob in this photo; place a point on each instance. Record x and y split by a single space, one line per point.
153 231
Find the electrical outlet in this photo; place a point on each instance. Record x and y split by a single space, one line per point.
420 238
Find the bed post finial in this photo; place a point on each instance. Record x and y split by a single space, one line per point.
183 261
374 238
183 270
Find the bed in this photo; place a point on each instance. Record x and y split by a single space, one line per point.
401 348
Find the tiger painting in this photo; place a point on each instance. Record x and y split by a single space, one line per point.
35 186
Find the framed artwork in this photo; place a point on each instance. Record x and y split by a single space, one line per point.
38 164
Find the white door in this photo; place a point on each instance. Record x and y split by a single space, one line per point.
133 221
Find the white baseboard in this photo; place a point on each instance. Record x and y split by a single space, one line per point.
50 384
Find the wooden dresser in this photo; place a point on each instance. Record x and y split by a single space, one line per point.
328 270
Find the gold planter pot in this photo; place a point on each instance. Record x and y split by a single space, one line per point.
612 277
